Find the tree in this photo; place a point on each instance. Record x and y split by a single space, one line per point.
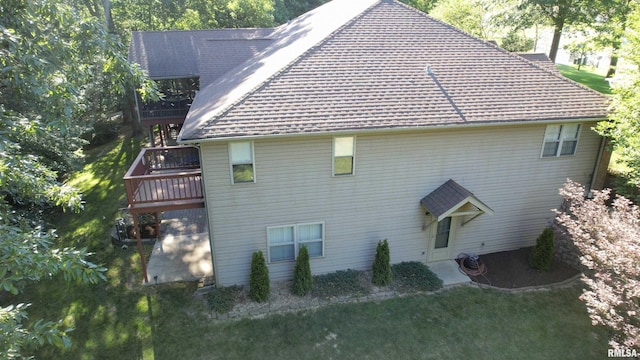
580 49
515 42
542 255
468 16
382 264
259 287
561 13
611 25
302 279
624 124
60 71
607 238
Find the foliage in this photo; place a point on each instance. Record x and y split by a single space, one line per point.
468 16
223 299
302 279
382 264
561 13
340 283
61 73
607 239
259 287
515 42
624 124
411 276
542 255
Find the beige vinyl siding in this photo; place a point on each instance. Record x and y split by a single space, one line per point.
500 165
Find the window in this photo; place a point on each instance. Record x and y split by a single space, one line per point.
442 233
560 140
285 241
241 158
343 155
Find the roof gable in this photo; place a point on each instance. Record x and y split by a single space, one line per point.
380 65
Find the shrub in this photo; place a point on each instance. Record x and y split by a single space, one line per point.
340 283
382 264
302 279
223 299
542 254
259 278
411 276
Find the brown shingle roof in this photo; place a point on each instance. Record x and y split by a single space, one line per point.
448 198
367 69
204 53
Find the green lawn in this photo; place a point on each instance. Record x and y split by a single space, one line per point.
586 78
120 319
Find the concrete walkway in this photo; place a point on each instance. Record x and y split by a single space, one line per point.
183 253
448 272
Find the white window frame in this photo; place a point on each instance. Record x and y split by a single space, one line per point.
296 242
333 157
561 139
252 162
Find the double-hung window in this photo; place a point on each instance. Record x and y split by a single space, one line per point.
560 140
344 150
242 164
285 241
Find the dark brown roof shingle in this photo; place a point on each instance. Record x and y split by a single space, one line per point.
371 72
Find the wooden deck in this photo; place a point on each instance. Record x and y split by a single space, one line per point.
167 178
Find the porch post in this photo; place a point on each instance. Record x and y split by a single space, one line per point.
136 229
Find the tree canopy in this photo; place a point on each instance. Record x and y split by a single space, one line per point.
607 238
61 72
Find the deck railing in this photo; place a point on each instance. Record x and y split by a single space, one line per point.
164 177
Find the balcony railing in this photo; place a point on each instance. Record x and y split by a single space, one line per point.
165 178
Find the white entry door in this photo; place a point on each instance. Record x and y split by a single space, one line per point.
440 240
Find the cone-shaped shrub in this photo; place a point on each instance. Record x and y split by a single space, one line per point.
382 264
259 278
302 279
542 255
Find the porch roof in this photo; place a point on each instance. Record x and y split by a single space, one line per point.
450 197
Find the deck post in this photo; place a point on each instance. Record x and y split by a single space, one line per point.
136 229
155 215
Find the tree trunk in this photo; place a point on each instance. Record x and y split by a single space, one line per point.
108 18
612 66
555 43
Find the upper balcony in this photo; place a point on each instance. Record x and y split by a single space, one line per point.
166 178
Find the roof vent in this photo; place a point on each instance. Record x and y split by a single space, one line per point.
428 70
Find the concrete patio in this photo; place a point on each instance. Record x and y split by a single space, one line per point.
448 272
183 253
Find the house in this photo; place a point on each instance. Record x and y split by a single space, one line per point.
365 120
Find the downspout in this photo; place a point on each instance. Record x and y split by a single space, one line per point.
596 166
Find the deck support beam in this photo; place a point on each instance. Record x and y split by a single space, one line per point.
136 229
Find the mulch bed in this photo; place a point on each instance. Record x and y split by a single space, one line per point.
510 270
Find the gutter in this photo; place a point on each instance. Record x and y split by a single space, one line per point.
385 130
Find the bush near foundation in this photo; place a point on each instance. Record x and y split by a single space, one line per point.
542 255
259 279
382 264
302 280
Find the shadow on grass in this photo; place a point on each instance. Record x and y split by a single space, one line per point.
111 320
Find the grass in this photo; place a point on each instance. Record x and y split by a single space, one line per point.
453 324
120 319
586 78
